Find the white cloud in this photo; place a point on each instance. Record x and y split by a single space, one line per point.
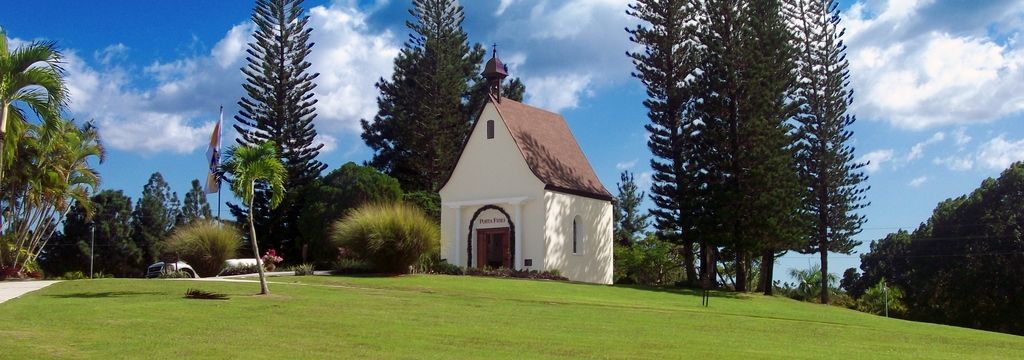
916 182
502 6
626 165
955 163
330 143
176 112
111 53
918 66
875 159
960 137
999 153
555 93
575 46
645 180
918 149
995 154
350 59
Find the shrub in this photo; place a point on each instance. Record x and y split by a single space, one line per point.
73 275
433 264
205 245
352 267
520 274
271 259
428 201
303 269
391 237
177 274
239 270
650 261
808 284
332 196
876 298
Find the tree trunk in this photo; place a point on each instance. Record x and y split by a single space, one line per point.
767 270
714 265
741 271
705 266
691 272
824 273
3 138
255 248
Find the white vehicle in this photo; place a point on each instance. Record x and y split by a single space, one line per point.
158 268
239 262
232 266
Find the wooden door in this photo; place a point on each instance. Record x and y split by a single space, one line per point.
493 248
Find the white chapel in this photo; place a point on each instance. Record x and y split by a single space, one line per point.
522 195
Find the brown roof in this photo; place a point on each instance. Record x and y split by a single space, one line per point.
550 150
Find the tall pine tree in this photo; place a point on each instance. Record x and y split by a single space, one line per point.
774 192
425 109
629 221
834 179
745 87
194 206
154 216
279 106
719 93
664 65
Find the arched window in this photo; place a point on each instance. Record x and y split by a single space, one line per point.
490 129
576 235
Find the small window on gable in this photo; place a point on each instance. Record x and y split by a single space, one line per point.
490 129
576 235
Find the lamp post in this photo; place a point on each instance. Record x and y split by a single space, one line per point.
92 246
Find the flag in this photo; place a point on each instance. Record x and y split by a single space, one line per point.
213 157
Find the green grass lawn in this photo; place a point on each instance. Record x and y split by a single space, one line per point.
455 317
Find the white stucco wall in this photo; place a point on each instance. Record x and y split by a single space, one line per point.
593 261
492 169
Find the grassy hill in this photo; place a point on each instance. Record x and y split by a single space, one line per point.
455 317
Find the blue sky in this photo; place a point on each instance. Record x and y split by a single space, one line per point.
939 85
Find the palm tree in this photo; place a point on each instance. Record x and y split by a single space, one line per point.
30 76
809 285
56 174
248 165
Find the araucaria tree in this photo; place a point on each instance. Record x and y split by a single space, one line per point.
834 179
425 109
664 67
720 78
279 107
154 216
630 223
194 206
250 166
746 107
774 191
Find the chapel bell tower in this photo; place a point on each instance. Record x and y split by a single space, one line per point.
495 72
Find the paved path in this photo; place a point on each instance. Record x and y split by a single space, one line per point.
13 289
269 273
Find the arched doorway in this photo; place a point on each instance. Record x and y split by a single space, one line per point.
495 238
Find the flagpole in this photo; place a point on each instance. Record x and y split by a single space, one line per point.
217 174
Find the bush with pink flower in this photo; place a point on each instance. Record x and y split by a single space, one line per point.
271 259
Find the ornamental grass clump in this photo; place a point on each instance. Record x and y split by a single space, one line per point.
303 269
205 245
390 237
